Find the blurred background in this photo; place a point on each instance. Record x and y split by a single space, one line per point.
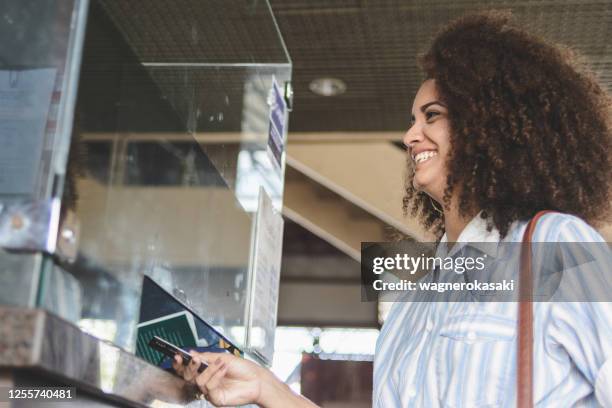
345 153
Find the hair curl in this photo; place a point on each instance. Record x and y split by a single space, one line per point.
530 126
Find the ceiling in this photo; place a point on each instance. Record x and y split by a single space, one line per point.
372 46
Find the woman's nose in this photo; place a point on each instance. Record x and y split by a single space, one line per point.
413 135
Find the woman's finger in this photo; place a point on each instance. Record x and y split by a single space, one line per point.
210 358
202 379
191 371
177 365
216 378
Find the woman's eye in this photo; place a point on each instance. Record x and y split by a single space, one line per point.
431 114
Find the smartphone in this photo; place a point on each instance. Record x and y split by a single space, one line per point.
170 350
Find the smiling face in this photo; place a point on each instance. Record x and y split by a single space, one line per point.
428 141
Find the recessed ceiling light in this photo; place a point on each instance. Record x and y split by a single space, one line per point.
327 86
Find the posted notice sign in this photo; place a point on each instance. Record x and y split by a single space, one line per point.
276 131
265 278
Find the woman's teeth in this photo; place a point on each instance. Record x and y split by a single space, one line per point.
421 157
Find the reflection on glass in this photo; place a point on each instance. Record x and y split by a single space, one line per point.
174 153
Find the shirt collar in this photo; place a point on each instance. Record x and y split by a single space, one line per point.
475 235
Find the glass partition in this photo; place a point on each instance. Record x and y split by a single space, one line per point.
171 144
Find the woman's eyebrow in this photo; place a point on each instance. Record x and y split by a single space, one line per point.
428 104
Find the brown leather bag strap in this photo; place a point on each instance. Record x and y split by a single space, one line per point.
524 369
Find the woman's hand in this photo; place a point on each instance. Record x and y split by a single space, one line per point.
228 380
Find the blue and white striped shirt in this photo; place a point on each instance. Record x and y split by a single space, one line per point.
463 354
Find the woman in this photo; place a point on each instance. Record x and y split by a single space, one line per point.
505 125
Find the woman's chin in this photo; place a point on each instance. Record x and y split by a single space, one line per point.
428 182
426 188
419 184
416 185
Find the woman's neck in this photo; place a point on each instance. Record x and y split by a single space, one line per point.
454 223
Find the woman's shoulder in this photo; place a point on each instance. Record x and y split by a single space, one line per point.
563 227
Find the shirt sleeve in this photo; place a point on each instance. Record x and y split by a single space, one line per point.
584 328
584 331
603 386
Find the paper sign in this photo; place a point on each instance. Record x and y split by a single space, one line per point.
265 278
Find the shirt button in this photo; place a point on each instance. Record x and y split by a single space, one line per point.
429 325
411 391
471 336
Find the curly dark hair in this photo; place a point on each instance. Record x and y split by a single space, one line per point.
530 126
